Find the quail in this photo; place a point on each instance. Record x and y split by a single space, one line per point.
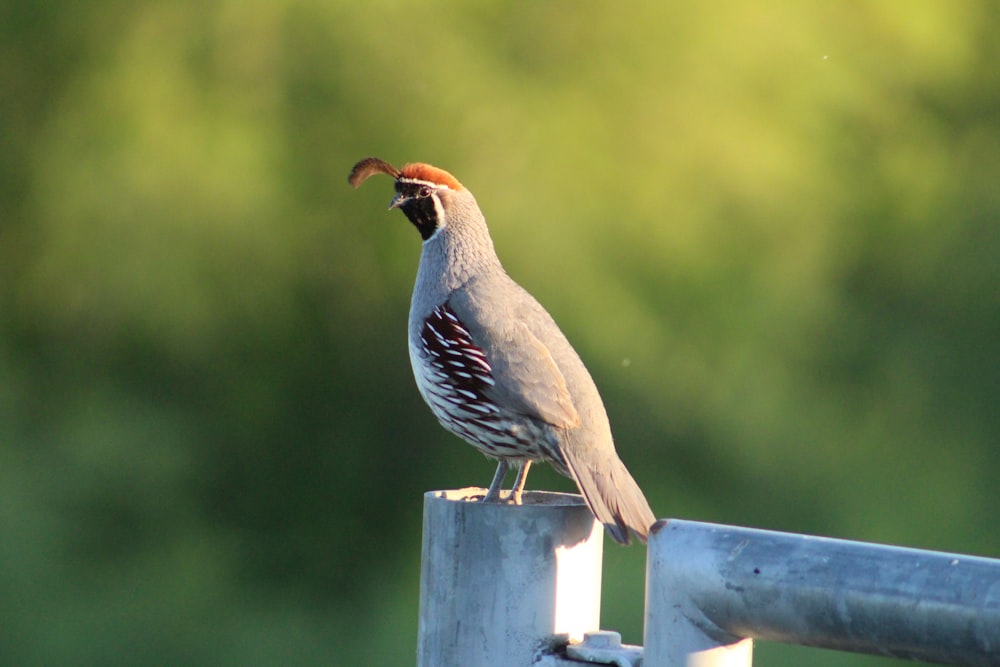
493 365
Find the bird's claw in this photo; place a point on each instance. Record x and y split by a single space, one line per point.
500 498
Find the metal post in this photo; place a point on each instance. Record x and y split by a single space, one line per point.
709 587
498 581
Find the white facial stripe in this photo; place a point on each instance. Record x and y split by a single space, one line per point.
439 211
419 181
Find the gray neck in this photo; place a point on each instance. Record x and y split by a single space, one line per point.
459 251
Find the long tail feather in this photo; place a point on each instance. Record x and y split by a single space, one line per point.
612 495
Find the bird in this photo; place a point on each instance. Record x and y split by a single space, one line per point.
492 364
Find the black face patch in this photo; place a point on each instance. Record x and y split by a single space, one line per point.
419 207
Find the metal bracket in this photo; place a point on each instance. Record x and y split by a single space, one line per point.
605 647
601 647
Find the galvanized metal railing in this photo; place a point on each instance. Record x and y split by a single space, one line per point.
712 588
520 585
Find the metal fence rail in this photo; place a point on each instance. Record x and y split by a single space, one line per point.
711 586
513 585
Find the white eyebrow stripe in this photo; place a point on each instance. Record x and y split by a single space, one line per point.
420 181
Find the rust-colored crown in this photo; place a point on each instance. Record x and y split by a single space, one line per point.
417 171
420 171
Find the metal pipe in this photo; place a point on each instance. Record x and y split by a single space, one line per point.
498 581
710 586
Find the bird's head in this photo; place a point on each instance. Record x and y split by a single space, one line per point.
424 193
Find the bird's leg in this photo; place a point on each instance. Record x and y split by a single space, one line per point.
522 477
493 494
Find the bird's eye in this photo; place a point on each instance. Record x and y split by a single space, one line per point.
425 192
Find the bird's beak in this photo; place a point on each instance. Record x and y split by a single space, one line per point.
398 201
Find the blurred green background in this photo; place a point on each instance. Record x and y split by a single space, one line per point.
772 230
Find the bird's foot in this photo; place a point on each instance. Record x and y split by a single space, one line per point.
493 493
512 497
491 496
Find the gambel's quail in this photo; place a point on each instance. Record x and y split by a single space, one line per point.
492 364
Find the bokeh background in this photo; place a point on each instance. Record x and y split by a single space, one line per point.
772 230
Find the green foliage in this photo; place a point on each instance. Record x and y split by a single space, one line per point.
771 230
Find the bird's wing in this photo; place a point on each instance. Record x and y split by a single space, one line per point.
526 379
